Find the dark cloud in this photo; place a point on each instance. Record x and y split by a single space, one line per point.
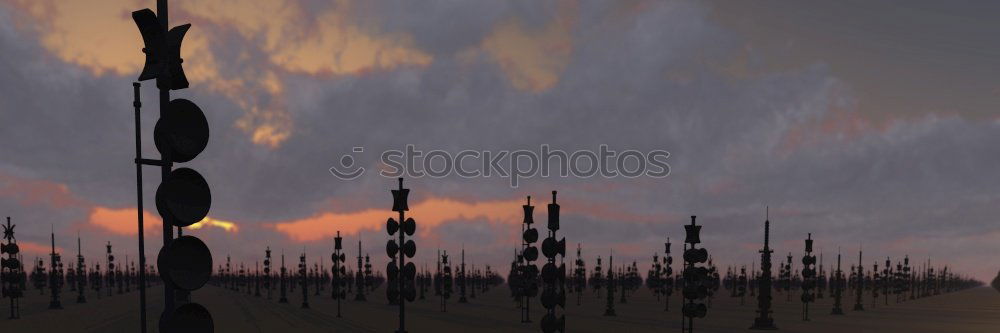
658 78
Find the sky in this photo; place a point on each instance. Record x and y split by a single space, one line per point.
868 124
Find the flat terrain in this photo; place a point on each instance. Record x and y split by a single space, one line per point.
974 310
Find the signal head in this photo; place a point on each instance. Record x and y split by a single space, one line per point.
409 271
391 226
552 298
185 263
409 248
692 232
529 212
550 324
551 248
399 198
530 253
11 248
409 291
553 217
11 263
184 196
182 132
696 255
530 235
391 248
409 226
190 317
392 271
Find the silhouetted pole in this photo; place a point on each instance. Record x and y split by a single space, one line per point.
609 309
695 277
401 278
55 275
764 320
808 278
553 275
529 253
463 279
13 267
876 284
338 271
256 279
137 105
283 298
669 278
359 276
837 288
267 271
304 280
859 284
81 270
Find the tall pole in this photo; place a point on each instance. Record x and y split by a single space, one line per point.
859 284
81 274
168 232
837 288
137 104
764 320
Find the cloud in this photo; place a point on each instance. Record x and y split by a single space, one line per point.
37 249
796 137
123 221
533 58
101 37
428 213
30 192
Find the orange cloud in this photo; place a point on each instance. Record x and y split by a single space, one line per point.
208 221
37 192
123 221
36 249
96 35
100 37
533 59
428 214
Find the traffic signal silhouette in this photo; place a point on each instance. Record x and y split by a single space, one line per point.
55 276
339 271
81 273
183 196
527 271
696 279
267 271
808 278
668 271
10 269
553 275
401 275
283 280
304 280
763 321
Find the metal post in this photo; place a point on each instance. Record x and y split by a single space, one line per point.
137 104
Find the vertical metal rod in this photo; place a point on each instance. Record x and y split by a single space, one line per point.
168 232
137 104
402 258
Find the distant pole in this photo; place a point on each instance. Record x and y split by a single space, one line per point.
764 320
837 288
859 283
